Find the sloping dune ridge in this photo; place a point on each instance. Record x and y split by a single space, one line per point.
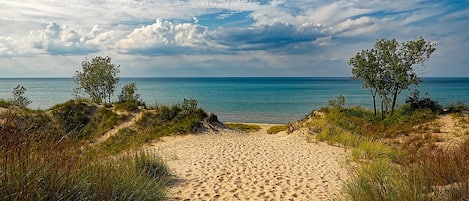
224 164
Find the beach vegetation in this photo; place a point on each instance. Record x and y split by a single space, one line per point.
129 93
46 155
277 129
398 158
83 120
160 121
98 79
388 69
38 161
248 128
338 102
5 103
18 97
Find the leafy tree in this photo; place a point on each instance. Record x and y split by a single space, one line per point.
128 93
388 68
366 68
98 79
19 98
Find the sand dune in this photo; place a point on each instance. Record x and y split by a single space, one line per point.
230 165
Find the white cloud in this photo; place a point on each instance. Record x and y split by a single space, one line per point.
164 37
7 47
62 40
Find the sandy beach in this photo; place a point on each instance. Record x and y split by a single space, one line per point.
225 164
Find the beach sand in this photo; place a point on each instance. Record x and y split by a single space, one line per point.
231 165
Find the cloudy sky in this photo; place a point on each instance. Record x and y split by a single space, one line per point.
158 38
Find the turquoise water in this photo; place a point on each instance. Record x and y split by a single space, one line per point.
267 99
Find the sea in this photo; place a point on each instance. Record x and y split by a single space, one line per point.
241 99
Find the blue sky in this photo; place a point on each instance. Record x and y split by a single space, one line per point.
179 38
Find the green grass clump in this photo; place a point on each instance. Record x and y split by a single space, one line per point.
83 120
161 121
47 166
5 103
128 105
243 127
277 129
384 180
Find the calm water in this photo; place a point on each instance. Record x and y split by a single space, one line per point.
269 100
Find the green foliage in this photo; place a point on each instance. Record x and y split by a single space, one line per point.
243 127
387 69
98 79
417 103
277 129
129 93
18 97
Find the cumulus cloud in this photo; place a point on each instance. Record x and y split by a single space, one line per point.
7 47
164 37
62 40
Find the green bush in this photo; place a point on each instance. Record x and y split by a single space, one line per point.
244 127
277 129
418 103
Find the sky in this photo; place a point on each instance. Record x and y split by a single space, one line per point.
201 38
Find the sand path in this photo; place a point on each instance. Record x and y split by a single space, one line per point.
230 165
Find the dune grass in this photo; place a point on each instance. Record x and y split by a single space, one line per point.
277 129
249 128
390 172
46 164
42 157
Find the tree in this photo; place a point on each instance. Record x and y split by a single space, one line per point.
366 68
128 93
18 98
98 79
388 68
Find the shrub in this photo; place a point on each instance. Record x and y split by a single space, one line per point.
276 129
18 97
244 127
129 93
417 103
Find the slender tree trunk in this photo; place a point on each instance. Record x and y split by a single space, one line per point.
382 109
394 100
374 104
